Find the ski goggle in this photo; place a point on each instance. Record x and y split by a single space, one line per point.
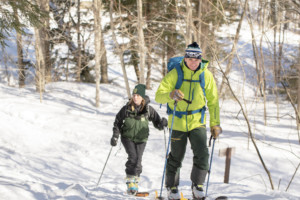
189 54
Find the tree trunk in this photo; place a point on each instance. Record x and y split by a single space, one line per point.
40 63
40 52
104 73
163 57
298 105
198 34
21 65
98 46
262 65
273 6
205 8
171 37
189 23
46 40
4 56
118 48
79 68
148 80
142 47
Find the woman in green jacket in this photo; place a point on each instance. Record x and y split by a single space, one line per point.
190 119
132 123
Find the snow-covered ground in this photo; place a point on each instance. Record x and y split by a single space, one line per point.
57 149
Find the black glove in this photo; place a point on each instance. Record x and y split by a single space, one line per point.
113 141
164 122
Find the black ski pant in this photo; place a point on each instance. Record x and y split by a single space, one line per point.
198 140
135 153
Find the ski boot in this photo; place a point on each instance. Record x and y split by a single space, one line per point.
173 193
198 192
132 184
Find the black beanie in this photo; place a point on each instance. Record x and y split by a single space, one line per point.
140 89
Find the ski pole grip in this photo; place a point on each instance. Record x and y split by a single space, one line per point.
211 137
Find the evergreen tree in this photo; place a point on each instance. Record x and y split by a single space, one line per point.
27 11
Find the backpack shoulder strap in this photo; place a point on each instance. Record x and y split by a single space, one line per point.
202 82
180 76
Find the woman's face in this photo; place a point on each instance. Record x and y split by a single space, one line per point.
137 99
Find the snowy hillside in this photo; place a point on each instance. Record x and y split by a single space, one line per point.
57 149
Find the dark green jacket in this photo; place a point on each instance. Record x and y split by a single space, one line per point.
134 125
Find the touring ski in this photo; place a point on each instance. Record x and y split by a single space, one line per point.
142 194
183 198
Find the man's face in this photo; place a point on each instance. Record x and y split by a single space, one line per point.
192 63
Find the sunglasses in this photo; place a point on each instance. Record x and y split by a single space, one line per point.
193 54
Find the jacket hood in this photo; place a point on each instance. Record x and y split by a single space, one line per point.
147 99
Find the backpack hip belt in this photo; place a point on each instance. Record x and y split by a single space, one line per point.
189 112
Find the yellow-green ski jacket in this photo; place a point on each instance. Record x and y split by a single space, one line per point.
192 92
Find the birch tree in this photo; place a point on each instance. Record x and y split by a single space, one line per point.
40 51
104 73
40 63
189 23
142 47
98 46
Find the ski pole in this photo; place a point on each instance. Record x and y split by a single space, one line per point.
102 170
211 157
170 136
165 139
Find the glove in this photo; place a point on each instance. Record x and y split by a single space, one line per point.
215 131
113 141
164 122
176 95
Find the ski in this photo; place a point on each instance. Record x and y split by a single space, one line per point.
142 194
183 198
138 195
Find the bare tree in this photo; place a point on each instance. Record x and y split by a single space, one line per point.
142 47
98 46
258 58
262 65
40 63
79 68
171 28
247 121
40 50
233 49
198 27
119 49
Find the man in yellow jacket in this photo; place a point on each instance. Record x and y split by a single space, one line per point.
190 118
